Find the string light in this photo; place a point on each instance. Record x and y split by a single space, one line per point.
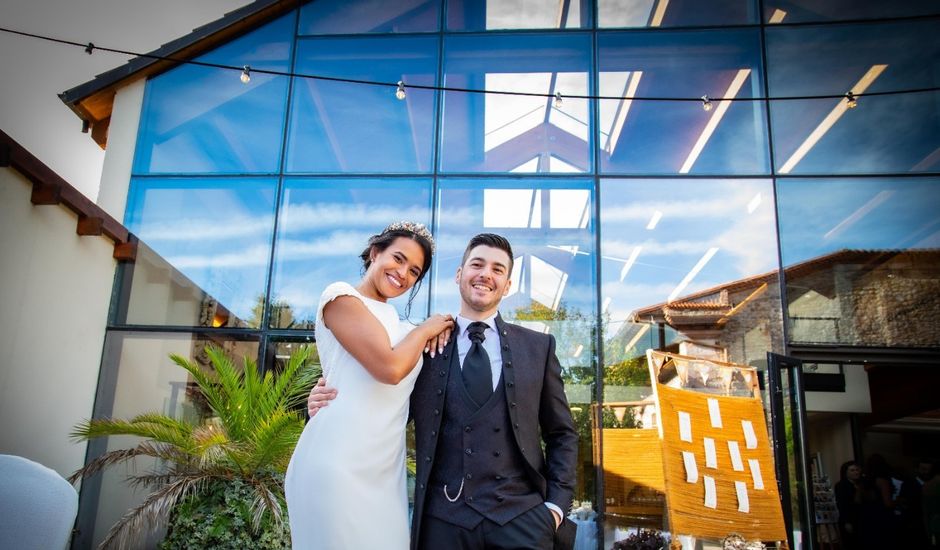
558 101
850 101
245 70
400 92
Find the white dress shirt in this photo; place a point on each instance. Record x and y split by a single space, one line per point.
490 343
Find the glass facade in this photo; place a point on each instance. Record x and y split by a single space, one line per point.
646 218
670 137
863 260
197 123
330 121
509 133
892 134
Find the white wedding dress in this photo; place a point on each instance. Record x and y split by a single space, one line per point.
345 484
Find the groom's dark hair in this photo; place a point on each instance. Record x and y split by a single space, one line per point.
492 240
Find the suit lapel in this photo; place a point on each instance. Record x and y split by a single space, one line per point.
508 375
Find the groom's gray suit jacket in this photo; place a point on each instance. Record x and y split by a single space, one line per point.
536 403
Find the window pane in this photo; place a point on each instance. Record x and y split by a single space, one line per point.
684 254
675 13
324 226
332 122
203 120
210 245
508 133
687 266
549 224
364 16
681 137
139 377
884 134
862 260
155 292
482 15
800 11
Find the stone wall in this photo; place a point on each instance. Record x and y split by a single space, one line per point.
896 303
755 329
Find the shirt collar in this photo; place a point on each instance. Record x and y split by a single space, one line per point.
463 322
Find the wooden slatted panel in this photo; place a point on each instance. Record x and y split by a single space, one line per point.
633 473
688 514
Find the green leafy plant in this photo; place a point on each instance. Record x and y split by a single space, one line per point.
219 519
222 477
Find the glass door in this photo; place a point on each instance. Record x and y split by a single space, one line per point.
788 428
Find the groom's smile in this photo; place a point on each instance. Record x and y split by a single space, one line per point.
484 280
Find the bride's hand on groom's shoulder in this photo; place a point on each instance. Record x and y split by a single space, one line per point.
320 396
444 325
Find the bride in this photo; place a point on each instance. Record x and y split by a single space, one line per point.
345 484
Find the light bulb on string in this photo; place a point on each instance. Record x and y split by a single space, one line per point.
850 100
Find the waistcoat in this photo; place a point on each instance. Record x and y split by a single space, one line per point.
477 451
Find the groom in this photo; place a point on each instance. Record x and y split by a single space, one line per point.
482 408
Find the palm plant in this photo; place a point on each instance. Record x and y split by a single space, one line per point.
241 449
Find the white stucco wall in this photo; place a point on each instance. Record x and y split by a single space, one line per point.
55 288
856 397
119 157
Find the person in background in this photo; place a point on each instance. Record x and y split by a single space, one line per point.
877 523
931 503
910 506
848 498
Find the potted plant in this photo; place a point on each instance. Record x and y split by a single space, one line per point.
643 539
222 485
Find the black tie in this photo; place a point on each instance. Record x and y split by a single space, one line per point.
477 373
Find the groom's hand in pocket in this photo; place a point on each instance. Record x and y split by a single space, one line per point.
320 396
557 517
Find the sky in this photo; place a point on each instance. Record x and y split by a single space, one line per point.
33 72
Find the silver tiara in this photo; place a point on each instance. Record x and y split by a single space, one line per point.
418 229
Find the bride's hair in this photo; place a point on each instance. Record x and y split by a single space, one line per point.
409 230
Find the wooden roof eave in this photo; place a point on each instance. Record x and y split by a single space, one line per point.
51 189
93 101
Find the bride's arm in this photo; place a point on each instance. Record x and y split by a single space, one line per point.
364 337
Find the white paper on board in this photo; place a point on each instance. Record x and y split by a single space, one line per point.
755 473
735 453
691 469
743 504
714 412
711 458
685 426
750 438
711 499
